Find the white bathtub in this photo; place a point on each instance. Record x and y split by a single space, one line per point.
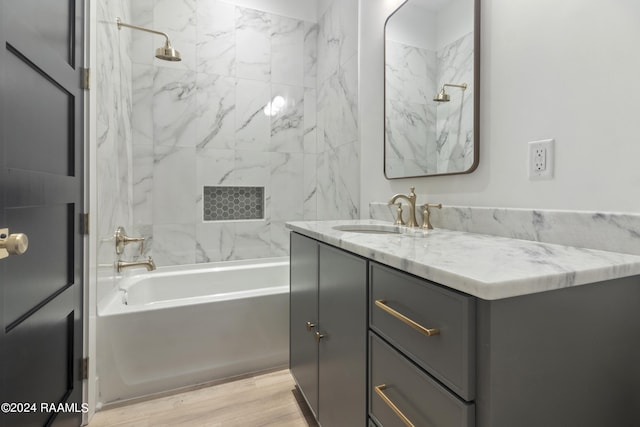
187 325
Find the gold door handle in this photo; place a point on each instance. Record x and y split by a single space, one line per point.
382 304
380 392
319 336
310 326
12 244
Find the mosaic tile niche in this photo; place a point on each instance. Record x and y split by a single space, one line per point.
233 203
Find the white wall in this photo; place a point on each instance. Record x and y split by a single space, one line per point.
454 21
414 26
564 70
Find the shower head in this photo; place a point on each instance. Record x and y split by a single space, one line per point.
166 52
443 96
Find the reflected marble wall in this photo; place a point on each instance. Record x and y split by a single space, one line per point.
422 136
454 119
410 122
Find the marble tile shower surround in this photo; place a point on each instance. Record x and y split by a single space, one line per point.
113 127
608 231
211 120
427 137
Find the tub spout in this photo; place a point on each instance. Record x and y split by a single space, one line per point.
148 264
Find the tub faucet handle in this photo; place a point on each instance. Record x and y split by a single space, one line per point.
122 240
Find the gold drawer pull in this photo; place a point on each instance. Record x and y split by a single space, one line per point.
415 325
392 405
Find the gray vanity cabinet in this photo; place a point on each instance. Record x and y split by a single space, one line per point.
438 357
303 312
328 327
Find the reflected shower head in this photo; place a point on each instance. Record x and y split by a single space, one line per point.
166 52
443 96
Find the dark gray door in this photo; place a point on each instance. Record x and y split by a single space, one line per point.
41 196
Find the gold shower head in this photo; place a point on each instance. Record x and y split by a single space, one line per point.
166 52
443 96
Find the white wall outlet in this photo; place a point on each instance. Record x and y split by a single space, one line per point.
541 159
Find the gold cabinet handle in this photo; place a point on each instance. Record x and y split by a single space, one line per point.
379 391
319 336
310 326
382 304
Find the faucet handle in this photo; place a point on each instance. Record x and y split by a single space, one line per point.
122 240
426 220
399 220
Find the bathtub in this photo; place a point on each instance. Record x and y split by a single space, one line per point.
188 325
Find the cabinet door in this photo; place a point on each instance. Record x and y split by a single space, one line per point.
343 347
303 359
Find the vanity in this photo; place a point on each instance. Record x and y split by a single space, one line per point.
397 327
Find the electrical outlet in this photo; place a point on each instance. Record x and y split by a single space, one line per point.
541 159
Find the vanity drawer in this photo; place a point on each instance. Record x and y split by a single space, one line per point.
448 354
396 382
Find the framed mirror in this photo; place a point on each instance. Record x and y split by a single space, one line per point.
431 88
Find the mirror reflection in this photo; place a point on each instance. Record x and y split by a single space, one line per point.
430 88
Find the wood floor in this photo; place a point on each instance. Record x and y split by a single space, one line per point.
264 400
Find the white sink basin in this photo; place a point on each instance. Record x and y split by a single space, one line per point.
369 228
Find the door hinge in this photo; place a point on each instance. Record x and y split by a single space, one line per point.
84 223
85 368
86 75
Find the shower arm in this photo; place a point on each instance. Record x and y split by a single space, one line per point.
463 86
148 30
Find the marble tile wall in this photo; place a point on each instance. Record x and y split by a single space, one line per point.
425 137
113 128
258 100
233 112
338 145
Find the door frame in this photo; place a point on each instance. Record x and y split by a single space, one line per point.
90 389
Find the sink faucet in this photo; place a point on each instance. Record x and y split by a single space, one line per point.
148 264
411 199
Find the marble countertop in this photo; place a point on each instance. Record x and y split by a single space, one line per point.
488 267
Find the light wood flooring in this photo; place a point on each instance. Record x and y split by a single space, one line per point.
264 400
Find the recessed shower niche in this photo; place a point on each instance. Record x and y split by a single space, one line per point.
233 203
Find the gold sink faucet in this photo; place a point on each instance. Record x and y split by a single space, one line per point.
411 199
